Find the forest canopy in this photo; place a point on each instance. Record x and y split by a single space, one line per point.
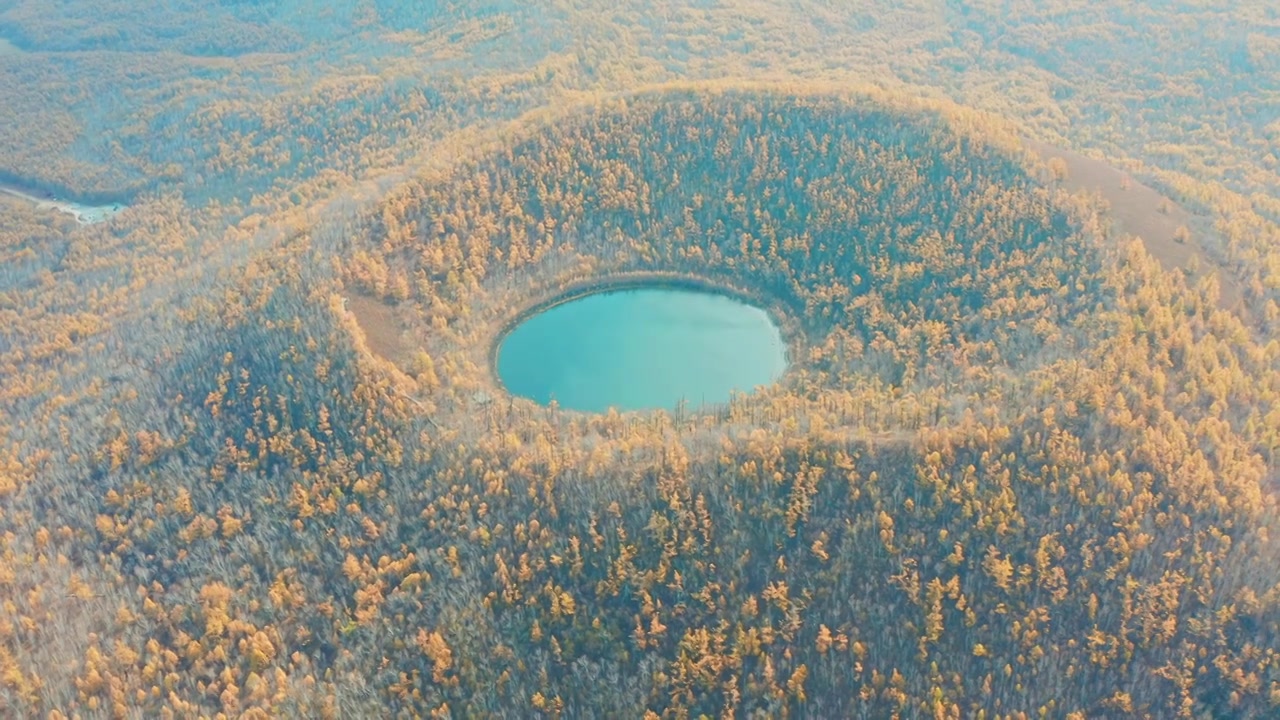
255 461
1002 477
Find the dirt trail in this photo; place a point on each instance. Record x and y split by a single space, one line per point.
1141 210
84 214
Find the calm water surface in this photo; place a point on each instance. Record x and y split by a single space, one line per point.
640 349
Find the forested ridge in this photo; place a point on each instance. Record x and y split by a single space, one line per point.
1004 475
1015 469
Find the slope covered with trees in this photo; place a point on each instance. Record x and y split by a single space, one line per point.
1015 468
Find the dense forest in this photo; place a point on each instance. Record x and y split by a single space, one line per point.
1017 467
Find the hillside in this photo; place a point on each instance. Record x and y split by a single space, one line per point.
255 458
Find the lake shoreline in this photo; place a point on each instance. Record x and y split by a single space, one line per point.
645 280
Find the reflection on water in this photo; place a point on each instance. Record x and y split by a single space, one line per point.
640 349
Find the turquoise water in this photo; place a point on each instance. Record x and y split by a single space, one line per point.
642 349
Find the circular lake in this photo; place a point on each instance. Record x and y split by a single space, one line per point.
640 349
